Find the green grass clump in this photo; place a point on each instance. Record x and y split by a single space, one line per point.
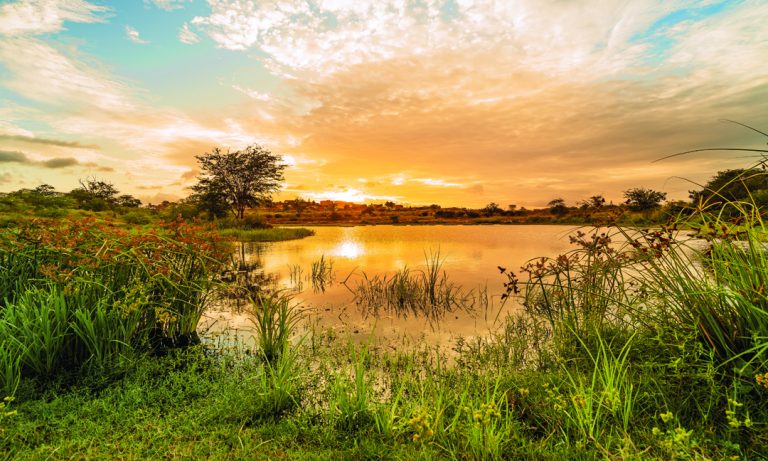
275 319
274 234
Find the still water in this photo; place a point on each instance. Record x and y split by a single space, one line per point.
470 258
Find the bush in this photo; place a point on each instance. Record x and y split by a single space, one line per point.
137 217
75 293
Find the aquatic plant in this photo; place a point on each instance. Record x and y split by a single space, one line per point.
428 292
321 273
275 319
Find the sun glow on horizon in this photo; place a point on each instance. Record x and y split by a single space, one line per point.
348 195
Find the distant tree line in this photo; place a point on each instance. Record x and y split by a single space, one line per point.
93 194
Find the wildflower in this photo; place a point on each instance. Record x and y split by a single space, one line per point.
666 417
421 425
682 436
762 380
579 401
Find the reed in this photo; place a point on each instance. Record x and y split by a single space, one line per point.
321 273
275 320
428 292
350 402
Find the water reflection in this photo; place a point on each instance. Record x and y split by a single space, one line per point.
350 255
348 249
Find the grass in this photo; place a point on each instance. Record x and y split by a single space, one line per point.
274 234
321 273
275 319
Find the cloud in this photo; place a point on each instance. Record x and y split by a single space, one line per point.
450 102
6 178
54 163
60 162
187 36
40 72
46 16
494 93
330 36
46 141
134 36
168 5
13 157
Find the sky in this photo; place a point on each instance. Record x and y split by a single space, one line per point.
452 102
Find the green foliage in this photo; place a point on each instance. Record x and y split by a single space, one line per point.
733 186
492 209
641 199
350 396
557 207
137 217
275 320
636 345
240 179
582 289
604 402
75 294
35 326
267 235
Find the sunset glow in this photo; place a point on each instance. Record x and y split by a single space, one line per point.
455 102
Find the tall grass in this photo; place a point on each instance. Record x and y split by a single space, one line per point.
584 288
606 399
275 320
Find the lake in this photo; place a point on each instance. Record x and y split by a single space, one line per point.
470 257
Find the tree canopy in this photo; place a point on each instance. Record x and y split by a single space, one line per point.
240 179
557 206
640 199
595 202
732 186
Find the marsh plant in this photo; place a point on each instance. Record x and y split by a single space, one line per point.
275 318
321 273
428 292
296 276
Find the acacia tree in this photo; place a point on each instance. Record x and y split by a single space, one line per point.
640 199
596 202
241 178
94 194
492 209
557 206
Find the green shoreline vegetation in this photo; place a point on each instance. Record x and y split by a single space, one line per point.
274 234
637 344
